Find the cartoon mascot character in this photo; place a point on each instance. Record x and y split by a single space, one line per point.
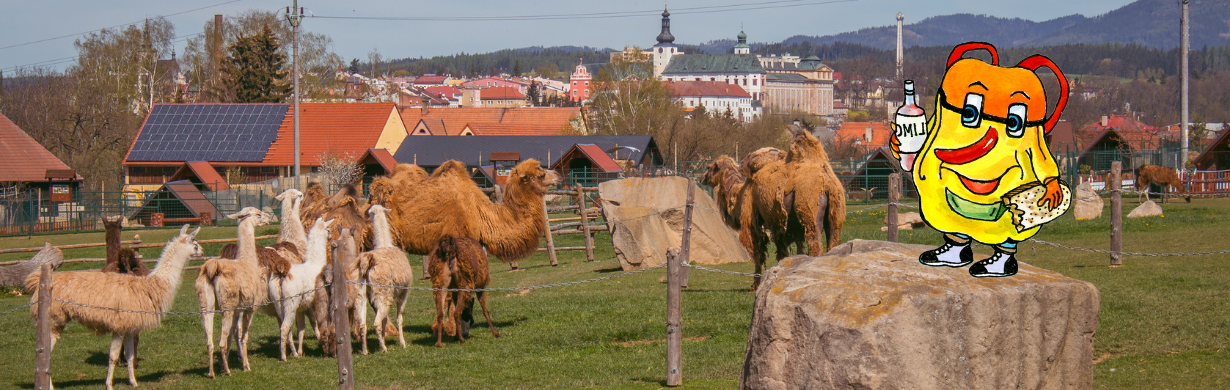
985 172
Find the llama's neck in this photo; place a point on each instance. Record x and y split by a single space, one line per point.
170 268
113 243
247 240
317 248
382 237
292 227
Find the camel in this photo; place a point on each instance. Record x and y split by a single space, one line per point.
795 196
458 263
151 293
15 275
356 300
424 209
1148 175
237 288
734 202
286 289
342 207
385 265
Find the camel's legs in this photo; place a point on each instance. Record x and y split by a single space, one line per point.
117 343
207 319
815 238
130 355
482 300
399 299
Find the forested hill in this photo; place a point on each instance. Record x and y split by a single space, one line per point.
1149 23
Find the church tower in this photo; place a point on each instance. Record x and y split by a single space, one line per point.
742 47
665 48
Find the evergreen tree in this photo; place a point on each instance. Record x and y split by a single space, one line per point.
517 68
532 94
354 66
254 72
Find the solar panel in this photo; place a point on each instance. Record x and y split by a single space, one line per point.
208 132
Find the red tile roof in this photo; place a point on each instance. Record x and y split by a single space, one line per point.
379 156
338 128
591 152
880 132
22 159
446 91
707 88
501 93
545 120
430 80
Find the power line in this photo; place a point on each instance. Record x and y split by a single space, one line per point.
67 60
600 15
118 25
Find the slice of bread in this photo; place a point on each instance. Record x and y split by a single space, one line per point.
1022 202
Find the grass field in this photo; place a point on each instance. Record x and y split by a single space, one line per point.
1163 321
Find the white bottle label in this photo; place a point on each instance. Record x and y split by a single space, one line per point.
911 130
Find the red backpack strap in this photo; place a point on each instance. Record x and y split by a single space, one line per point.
961 49
1039 61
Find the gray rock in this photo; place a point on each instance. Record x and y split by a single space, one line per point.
867 315
906 221
648 225
1088 204
1146 209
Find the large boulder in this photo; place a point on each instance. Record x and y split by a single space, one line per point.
906 221
867 315
1146 209
644 223
1088 203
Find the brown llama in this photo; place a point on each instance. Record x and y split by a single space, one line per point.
140 296
343 207
385 265
119 259
356 301
458 263
1148 175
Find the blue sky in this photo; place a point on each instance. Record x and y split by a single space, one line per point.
24 21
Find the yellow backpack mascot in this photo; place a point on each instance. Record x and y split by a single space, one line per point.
985 172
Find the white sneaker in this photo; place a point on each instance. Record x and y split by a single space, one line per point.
999 265
950 254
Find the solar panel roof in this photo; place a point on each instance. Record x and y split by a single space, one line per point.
208 132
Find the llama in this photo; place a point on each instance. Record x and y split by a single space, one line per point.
385 265
121 260
1148 175
458 263
355 305
291 238
227 285
287 288
151 293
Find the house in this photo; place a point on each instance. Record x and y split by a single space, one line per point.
1216 156
490 82
430 152
500 97
256 141
867 135
431 80
586 165
805 85
1119 137
870 180
493 121
29 169
716 97
376 162
579 83
741 69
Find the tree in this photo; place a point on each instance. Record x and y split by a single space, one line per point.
354 66
532 94
376 62
517 69
254 71
340 169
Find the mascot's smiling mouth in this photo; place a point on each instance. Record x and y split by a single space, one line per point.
980 187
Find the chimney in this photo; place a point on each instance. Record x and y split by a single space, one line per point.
868 135
1105 120
426 104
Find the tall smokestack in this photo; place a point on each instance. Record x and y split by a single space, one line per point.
216 58
900 51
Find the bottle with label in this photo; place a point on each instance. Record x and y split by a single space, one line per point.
910 127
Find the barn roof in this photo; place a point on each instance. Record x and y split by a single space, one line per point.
22 159
593 153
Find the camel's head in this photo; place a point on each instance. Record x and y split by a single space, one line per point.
805 147
722 166
530 172
189 239
261 218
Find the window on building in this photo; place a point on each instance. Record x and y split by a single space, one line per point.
587 93
744 82
712 79
659 50
698 79
753 81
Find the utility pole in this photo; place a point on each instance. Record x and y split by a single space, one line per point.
1184 24
294 15
900 51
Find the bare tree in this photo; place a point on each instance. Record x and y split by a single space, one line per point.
340 168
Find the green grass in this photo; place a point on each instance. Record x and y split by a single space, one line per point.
1163 321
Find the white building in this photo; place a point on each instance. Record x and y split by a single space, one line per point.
716 97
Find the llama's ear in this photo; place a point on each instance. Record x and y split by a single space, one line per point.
183 230
194 232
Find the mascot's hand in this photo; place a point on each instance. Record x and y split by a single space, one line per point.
1053 194
894 144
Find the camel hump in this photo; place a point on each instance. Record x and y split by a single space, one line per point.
759 160
452 168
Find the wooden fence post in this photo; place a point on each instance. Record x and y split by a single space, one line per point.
674 320
1113 183
589 239
894 187
345 368
42 348
546 223
685 242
